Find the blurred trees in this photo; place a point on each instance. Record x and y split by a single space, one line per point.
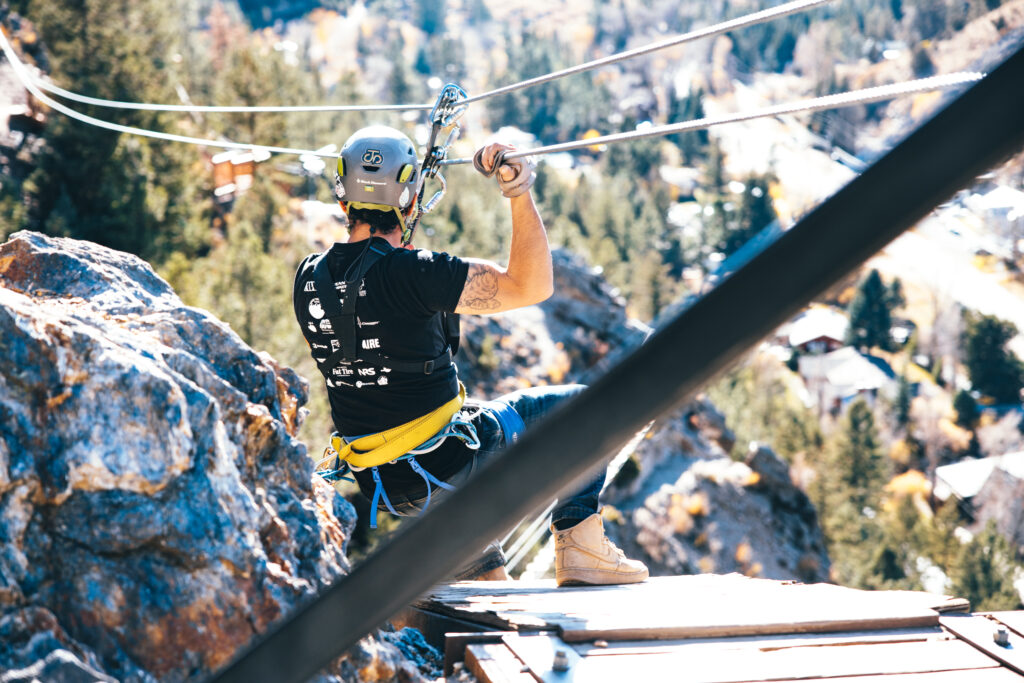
759 405
984 572
556 111
994 370
130 193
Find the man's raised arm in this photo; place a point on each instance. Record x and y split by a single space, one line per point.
528 278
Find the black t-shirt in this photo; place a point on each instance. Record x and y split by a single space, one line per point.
398 314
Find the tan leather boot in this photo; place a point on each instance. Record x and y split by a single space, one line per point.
583 554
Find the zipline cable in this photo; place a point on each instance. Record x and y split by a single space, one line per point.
706 32
834 101
22 73
846 99
221 109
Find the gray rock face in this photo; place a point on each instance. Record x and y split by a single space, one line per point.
156 511
578 331
685 507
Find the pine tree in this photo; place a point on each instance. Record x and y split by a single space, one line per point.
870 315
984 572
858 466
430 15
967 413
994 370
849 495
901 414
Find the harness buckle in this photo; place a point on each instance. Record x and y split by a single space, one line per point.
428 367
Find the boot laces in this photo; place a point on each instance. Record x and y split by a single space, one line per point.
614 547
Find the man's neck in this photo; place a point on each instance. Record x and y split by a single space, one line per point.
361 231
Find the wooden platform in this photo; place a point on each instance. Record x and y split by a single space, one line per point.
721 629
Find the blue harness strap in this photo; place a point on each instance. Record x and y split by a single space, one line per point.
511 423
428 479
378 493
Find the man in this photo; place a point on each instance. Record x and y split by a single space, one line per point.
379 317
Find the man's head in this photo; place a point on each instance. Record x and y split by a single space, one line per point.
376 178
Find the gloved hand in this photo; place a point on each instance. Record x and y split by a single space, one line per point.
515 176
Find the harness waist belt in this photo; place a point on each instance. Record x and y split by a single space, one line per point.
382 448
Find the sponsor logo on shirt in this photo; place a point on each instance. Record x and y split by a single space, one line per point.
315 309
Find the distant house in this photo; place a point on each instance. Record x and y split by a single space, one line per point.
837 378
819 329
988 488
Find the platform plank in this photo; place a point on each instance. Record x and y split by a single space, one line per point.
979 630
538 653
763 643
998 675
495 663
708 665
685 607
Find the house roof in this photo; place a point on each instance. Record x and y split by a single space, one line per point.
964 479
817 322
848 371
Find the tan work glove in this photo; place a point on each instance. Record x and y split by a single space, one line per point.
515 176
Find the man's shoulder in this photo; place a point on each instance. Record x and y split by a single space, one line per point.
422 257
305 269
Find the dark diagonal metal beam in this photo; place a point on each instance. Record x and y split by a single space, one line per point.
981 128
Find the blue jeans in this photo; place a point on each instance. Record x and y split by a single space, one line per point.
532 405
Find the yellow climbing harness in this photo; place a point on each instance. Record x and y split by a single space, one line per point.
378 449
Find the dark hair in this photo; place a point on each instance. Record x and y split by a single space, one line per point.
380 222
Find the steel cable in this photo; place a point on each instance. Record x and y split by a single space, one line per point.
706 32
713 30
25 78
221 109
838 100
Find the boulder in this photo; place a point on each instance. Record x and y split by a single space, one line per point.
156 510
688 508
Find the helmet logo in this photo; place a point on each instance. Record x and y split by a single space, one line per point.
373 157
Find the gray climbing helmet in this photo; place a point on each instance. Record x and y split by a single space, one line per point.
377 170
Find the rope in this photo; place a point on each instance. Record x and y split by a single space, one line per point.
713 30
846 99
222 109
26 80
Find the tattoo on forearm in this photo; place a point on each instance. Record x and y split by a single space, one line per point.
481 289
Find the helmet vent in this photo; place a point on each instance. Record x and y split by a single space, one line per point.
371 169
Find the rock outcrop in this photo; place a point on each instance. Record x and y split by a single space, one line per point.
684 507
156 510
580 330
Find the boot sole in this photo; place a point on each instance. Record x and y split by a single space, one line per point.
596 577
